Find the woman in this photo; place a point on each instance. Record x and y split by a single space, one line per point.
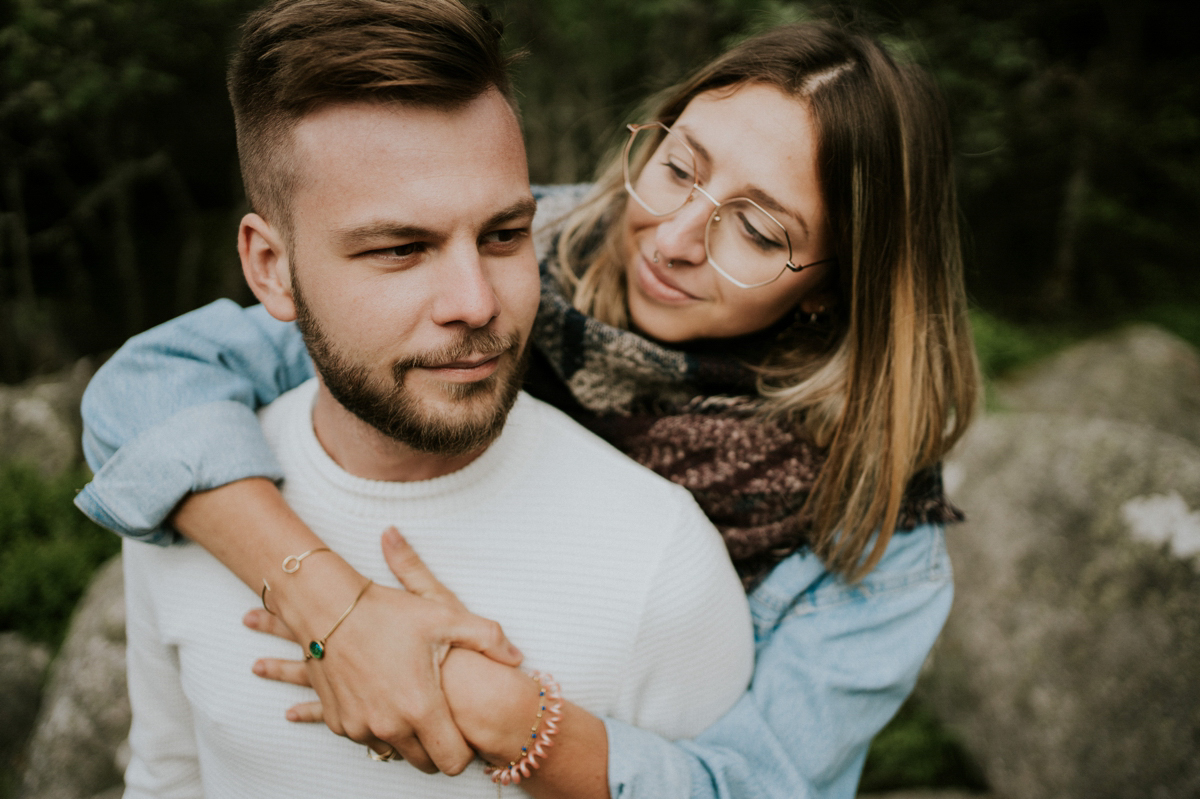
762 300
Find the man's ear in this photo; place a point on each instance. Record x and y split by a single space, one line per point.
267 266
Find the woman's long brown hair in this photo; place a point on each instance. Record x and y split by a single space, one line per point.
894 383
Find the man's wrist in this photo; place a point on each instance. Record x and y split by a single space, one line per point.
493 705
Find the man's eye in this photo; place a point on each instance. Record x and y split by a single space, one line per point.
403 250
507 236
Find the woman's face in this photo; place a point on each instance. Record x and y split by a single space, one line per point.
753 142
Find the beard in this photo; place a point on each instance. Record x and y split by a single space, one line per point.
479 408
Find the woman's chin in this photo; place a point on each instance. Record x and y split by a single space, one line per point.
664 324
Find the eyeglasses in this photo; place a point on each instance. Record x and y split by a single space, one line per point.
742 240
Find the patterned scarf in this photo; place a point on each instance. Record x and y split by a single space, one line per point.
690 415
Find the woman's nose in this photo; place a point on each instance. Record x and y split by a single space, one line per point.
680 236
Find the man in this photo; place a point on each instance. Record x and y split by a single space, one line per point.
384 161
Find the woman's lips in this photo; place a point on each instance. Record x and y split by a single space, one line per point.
654 282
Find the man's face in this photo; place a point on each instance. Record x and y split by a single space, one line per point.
412 265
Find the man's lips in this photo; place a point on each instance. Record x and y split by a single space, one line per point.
467 369
654 281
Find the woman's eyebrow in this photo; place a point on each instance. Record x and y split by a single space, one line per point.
753 192
697 146
771 204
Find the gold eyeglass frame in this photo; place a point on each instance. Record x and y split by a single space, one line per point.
715 216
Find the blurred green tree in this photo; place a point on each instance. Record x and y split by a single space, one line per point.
117 170
1078 126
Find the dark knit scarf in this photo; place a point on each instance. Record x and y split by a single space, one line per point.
690 415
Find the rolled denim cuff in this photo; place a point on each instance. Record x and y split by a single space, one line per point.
197 449
642 764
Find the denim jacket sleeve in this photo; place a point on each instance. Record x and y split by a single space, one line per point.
833 664
173 412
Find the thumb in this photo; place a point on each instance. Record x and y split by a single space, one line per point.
468 630
484 636
412 572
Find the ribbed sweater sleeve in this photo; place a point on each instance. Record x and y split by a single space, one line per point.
674 662
164 762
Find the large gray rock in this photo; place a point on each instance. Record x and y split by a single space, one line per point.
555 203
1140 373
85 713
39 419
1070 663
925 793
22 668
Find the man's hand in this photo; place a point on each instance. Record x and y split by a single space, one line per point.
380 682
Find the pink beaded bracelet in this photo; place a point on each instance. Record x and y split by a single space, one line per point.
549 699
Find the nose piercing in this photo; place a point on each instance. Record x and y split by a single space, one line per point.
670 264
655 258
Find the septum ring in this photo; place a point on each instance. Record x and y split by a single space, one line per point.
670 263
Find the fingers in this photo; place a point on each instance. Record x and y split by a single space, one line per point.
470 631
312 713
485 636
440 745
449 752
410 570
412 751
307 713
264 622
293 671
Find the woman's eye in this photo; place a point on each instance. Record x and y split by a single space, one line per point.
761 241
678 172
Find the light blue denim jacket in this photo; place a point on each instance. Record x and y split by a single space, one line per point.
173 412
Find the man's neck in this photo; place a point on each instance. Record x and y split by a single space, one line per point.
363 451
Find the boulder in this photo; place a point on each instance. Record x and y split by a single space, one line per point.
1069 662
115 792
1140 373
39 419
84 719
925 793
22 668
554 204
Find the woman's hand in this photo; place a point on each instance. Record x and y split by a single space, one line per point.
494 705
389 693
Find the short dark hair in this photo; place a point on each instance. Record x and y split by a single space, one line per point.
295 56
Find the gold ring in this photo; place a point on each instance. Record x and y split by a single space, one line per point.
390 754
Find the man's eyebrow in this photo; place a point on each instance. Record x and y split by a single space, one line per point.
352 238
753 192
524 207
355 237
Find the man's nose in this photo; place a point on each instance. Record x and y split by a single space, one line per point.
466 294
680 236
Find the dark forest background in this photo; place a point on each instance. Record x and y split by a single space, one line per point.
1078 137
1077 123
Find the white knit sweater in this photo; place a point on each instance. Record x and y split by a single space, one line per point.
604 575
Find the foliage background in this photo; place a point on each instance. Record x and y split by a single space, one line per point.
1077 121
1078 137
